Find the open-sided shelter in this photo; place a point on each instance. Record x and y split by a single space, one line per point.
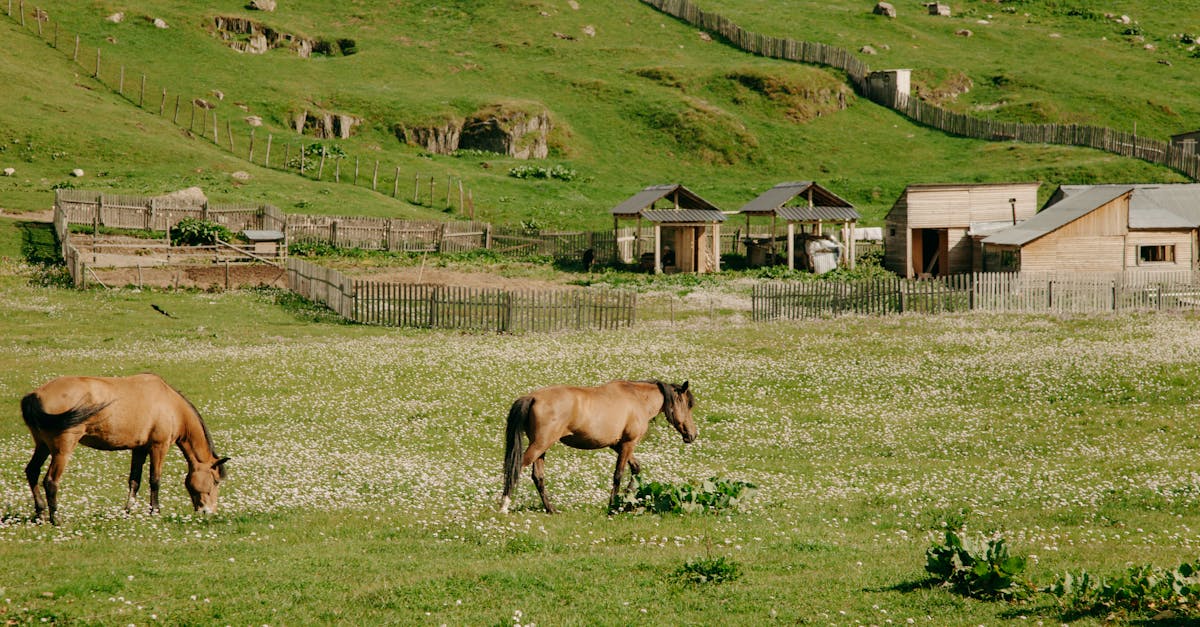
806 205
687 228
934 230
1104 228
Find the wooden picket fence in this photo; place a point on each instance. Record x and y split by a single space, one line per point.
1056 293
455 307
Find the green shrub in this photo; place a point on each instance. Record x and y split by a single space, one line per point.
1139 589
711 495
196 232
708 570
980 568
527 171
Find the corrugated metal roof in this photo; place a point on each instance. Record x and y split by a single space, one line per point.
648 196
1163 206
683 215
811 214
772 199
1057 215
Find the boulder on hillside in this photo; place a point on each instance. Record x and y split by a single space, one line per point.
885 9
77 172
261 5
160 23
188 197
10 171
116 18
868 49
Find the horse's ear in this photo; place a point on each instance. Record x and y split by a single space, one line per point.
683 388
220 462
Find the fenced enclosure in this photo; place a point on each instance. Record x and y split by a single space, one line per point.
1056 293
159 213
454 307
1118 142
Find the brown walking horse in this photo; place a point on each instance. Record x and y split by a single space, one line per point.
614 415
139 413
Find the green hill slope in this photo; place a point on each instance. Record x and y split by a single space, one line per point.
635 97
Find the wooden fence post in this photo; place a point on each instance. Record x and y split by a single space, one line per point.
375 177
321 168
417 189
356 171
267 161
96 74
121 82
229 133
250 152
396 183
142 93
162 104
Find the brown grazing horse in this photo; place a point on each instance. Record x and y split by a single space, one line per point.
614 415
140 413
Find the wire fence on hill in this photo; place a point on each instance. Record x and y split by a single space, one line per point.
1117 142
235 131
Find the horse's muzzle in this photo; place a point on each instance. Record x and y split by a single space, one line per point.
688 438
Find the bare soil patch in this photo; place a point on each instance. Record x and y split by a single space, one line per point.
207 277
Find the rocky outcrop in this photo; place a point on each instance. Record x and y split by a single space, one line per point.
253 37
517 131
885 9
323 124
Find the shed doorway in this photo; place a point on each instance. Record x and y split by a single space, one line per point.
930 255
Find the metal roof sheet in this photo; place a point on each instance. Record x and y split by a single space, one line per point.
814 214
1057 215
774 198
1161 206
260 235
648 196
683 215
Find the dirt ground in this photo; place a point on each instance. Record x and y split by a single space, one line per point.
443 276
208 277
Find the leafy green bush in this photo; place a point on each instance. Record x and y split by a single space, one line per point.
708 570
527 171
312 155
1139 589
980 568
196 232
711 495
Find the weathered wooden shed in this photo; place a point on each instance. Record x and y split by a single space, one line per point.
1104 228
804 204
687 229
934 229
1189 142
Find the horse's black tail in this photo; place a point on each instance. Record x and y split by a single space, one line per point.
518 415
36 417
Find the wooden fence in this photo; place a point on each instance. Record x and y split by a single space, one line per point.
1109 140
453 307
1057 293
98 209
71 257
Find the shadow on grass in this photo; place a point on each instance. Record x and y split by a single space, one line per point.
39 246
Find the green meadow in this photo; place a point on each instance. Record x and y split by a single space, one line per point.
366 464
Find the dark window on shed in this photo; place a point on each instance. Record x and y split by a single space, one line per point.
1164 253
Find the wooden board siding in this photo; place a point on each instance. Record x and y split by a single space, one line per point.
896 243
962 256
1080 253
1182 240
959 205
990 203
939 208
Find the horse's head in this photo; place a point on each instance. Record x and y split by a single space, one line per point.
203 483
677 406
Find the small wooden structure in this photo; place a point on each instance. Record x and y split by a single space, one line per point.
1104 228
1189 142
817 209
934 230
267 242
687 229
938 8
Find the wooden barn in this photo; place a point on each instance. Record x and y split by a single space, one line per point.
1104 228
809 212
935 229
687 229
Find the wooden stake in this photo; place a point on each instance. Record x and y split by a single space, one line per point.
396 183
250 152
416 189
267 161
375 178
321 169
356 171
175 116
229 133
121 81
75 55
162 104
142 92
96 75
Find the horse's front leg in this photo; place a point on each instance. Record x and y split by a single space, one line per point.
635 469
32 471
135 475
158 453
624 455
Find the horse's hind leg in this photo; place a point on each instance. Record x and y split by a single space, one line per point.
32 470
539 480
635 469
135 475
58 465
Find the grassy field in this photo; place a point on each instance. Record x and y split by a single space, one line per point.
643 101
366 465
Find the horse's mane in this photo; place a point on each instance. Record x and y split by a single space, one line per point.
204 427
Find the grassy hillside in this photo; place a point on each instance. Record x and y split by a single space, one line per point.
642 100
